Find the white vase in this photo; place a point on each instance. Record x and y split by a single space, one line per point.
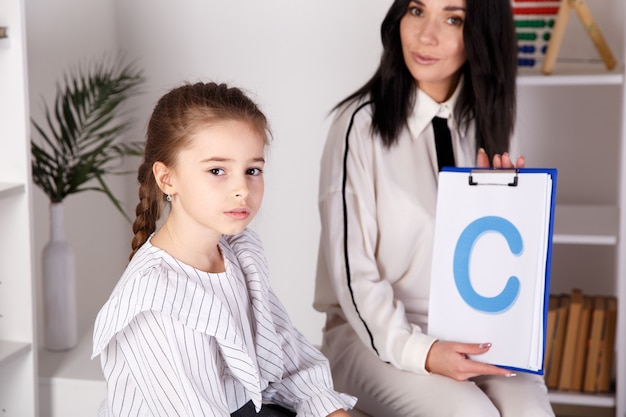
59 286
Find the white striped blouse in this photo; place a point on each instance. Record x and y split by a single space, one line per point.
176 341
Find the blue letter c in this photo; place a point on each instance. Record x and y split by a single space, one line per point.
462 254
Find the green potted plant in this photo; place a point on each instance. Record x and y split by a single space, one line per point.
79 144
82 136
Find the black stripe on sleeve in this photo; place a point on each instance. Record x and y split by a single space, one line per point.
345 223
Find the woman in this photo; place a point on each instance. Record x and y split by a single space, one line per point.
445 63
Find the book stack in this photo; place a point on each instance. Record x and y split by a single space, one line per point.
580 342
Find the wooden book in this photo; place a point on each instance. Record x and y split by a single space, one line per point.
582 340
553 306
590 383
559 339
571 336
607 347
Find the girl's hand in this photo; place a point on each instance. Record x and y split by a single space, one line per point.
499 161
450 359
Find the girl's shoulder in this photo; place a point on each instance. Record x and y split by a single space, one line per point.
155 282
148 260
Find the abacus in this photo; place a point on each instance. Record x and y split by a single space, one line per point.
534 22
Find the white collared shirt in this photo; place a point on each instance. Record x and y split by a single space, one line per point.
374 263
176 341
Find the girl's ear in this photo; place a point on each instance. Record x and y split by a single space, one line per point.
162 175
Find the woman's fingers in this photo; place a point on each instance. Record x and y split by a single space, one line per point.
451 359
497 161
482 160
502 161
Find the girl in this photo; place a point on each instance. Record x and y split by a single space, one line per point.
449 67
192 327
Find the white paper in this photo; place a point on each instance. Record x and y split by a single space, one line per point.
473 264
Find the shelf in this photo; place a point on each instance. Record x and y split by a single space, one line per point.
579 398
73 364
70 383
572 74
586 225
8 189
9 350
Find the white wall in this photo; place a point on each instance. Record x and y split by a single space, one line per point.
296 58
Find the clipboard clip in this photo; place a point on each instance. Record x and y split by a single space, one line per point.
489 176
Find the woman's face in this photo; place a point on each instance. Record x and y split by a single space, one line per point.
431 33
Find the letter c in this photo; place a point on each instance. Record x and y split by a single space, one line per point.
462 255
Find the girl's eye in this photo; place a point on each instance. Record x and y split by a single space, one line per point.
217 171
254 171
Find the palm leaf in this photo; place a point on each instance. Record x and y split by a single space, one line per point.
81 140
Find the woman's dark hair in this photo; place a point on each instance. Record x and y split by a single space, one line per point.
488 95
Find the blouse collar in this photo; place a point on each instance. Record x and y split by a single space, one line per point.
425 108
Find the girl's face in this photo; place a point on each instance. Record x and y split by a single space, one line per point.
218 179
431 33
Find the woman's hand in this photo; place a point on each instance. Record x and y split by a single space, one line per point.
450 359
499 161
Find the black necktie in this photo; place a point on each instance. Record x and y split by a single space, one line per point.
443 143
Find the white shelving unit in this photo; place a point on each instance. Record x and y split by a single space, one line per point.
7 189
586 225
593 226
574 120
10 350
18 353
572 75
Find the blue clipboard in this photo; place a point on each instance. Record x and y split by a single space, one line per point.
492 256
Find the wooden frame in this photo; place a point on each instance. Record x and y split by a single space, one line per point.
584 14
